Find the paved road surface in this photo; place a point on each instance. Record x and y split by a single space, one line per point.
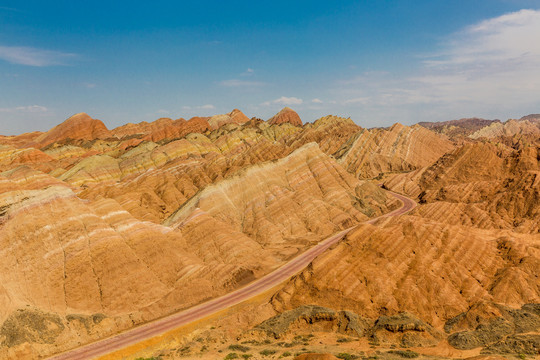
198 312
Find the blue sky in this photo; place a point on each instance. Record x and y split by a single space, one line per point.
378 61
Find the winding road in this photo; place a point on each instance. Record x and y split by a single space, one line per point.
160 326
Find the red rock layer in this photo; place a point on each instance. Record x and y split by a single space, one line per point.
433 270
78 127
161 129
234 117
286 115
396 149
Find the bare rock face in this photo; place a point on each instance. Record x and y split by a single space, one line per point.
12 157
528 344
103 230
305 193
458 128
405 330
315 356
286 115
399 148
234 117
79 126
238 117
21 140
481 185
503 332
89 208
330 132
508 128
161 129
309 318
417 265
475 128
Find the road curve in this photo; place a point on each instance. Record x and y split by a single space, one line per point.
160 326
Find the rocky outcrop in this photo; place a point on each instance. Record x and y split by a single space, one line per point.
404 330
400 148
11 157
481 185
433 270
330 132
309 318
497 328
302 195
103 230
458 128
234 117
526 344
286 115
509 128
78 127
162 129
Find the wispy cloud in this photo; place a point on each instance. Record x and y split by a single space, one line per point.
200 107
317 101
491 61
240 83
284 101
486 69
6 8
358 100
33 56
248 72
25 109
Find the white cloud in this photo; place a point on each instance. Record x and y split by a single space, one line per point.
489 62
198 109
510 39
284 101
9 9
317 101
163 112
239 83
489 69
358 100
25 109
33 56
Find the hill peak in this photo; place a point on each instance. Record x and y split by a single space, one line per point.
286 115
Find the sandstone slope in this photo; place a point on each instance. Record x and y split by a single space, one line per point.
286 115
396 149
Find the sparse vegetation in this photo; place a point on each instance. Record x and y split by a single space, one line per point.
246 356
230 356
185 350
267 352
286 354
346 356
287 345
408 354
241 348
253 342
